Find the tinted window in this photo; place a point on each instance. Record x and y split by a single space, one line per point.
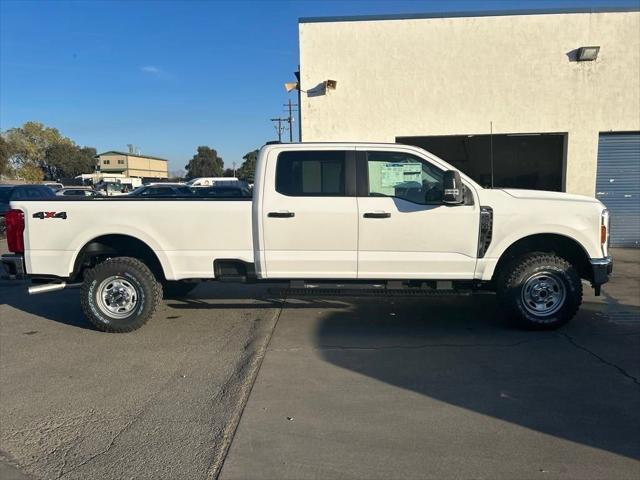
404 176
160 192
228 192
32 192
183 191
315 173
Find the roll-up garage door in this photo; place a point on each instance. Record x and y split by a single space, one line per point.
618 185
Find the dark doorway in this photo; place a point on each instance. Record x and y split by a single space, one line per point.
534 161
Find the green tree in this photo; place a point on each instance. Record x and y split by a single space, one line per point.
247 170
30 172
228 172
64 160
30 142
205 163
5 155
56 156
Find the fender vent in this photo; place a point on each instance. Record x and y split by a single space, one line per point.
486 230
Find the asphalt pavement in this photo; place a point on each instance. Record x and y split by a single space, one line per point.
443 388
235 383
161 402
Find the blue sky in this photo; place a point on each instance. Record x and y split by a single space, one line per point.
168 76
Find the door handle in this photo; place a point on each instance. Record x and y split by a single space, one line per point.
281 214
377 215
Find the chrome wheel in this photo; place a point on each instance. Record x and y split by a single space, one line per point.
543 294
117 297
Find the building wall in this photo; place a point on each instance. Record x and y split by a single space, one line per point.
134 166
147 167
112 163
451 76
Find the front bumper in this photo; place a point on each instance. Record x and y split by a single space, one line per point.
601 269
12 267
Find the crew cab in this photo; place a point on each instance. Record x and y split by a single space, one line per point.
393 217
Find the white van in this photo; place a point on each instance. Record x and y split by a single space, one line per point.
209 181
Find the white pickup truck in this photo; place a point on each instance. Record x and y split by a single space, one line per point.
392 217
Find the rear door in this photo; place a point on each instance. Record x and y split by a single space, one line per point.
310 218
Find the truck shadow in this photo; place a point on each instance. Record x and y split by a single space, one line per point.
458 351
230 296
64 306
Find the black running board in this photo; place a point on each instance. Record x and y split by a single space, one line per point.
364 292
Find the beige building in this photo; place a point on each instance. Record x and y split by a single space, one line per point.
560 120
133 165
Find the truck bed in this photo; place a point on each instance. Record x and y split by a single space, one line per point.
186 234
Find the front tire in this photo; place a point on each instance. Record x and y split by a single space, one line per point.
120 295
540 291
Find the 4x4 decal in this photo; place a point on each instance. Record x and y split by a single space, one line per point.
43 215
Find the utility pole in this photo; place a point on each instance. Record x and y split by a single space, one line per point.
234 169
279 127
290 118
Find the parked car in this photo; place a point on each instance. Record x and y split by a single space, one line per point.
9 193
322 214
55 186
209 181
78 192
113 189
162 190
224 191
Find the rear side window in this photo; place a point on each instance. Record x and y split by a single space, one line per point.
311 173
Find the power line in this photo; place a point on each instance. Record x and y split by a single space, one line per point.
279 125
290 118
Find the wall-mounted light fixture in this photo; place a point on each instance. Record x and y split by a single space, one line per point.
324 86
587 54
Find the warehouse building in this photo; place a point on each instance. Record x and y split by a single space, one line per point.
132 164
537 99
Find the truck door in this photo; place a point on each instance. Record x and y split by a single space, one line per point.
405 231
310 218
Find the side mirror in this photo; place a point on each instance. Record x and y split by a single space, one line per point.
452 185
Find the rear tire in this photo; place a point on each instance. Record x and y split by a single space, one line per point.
120 295
540 291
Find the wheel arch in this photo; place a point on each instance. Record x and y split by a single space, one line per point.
111 245
564 246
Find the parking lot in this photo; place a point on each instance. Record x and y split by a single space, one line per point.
234 383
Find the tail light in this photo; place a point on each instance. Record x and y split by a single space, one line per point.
14 222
